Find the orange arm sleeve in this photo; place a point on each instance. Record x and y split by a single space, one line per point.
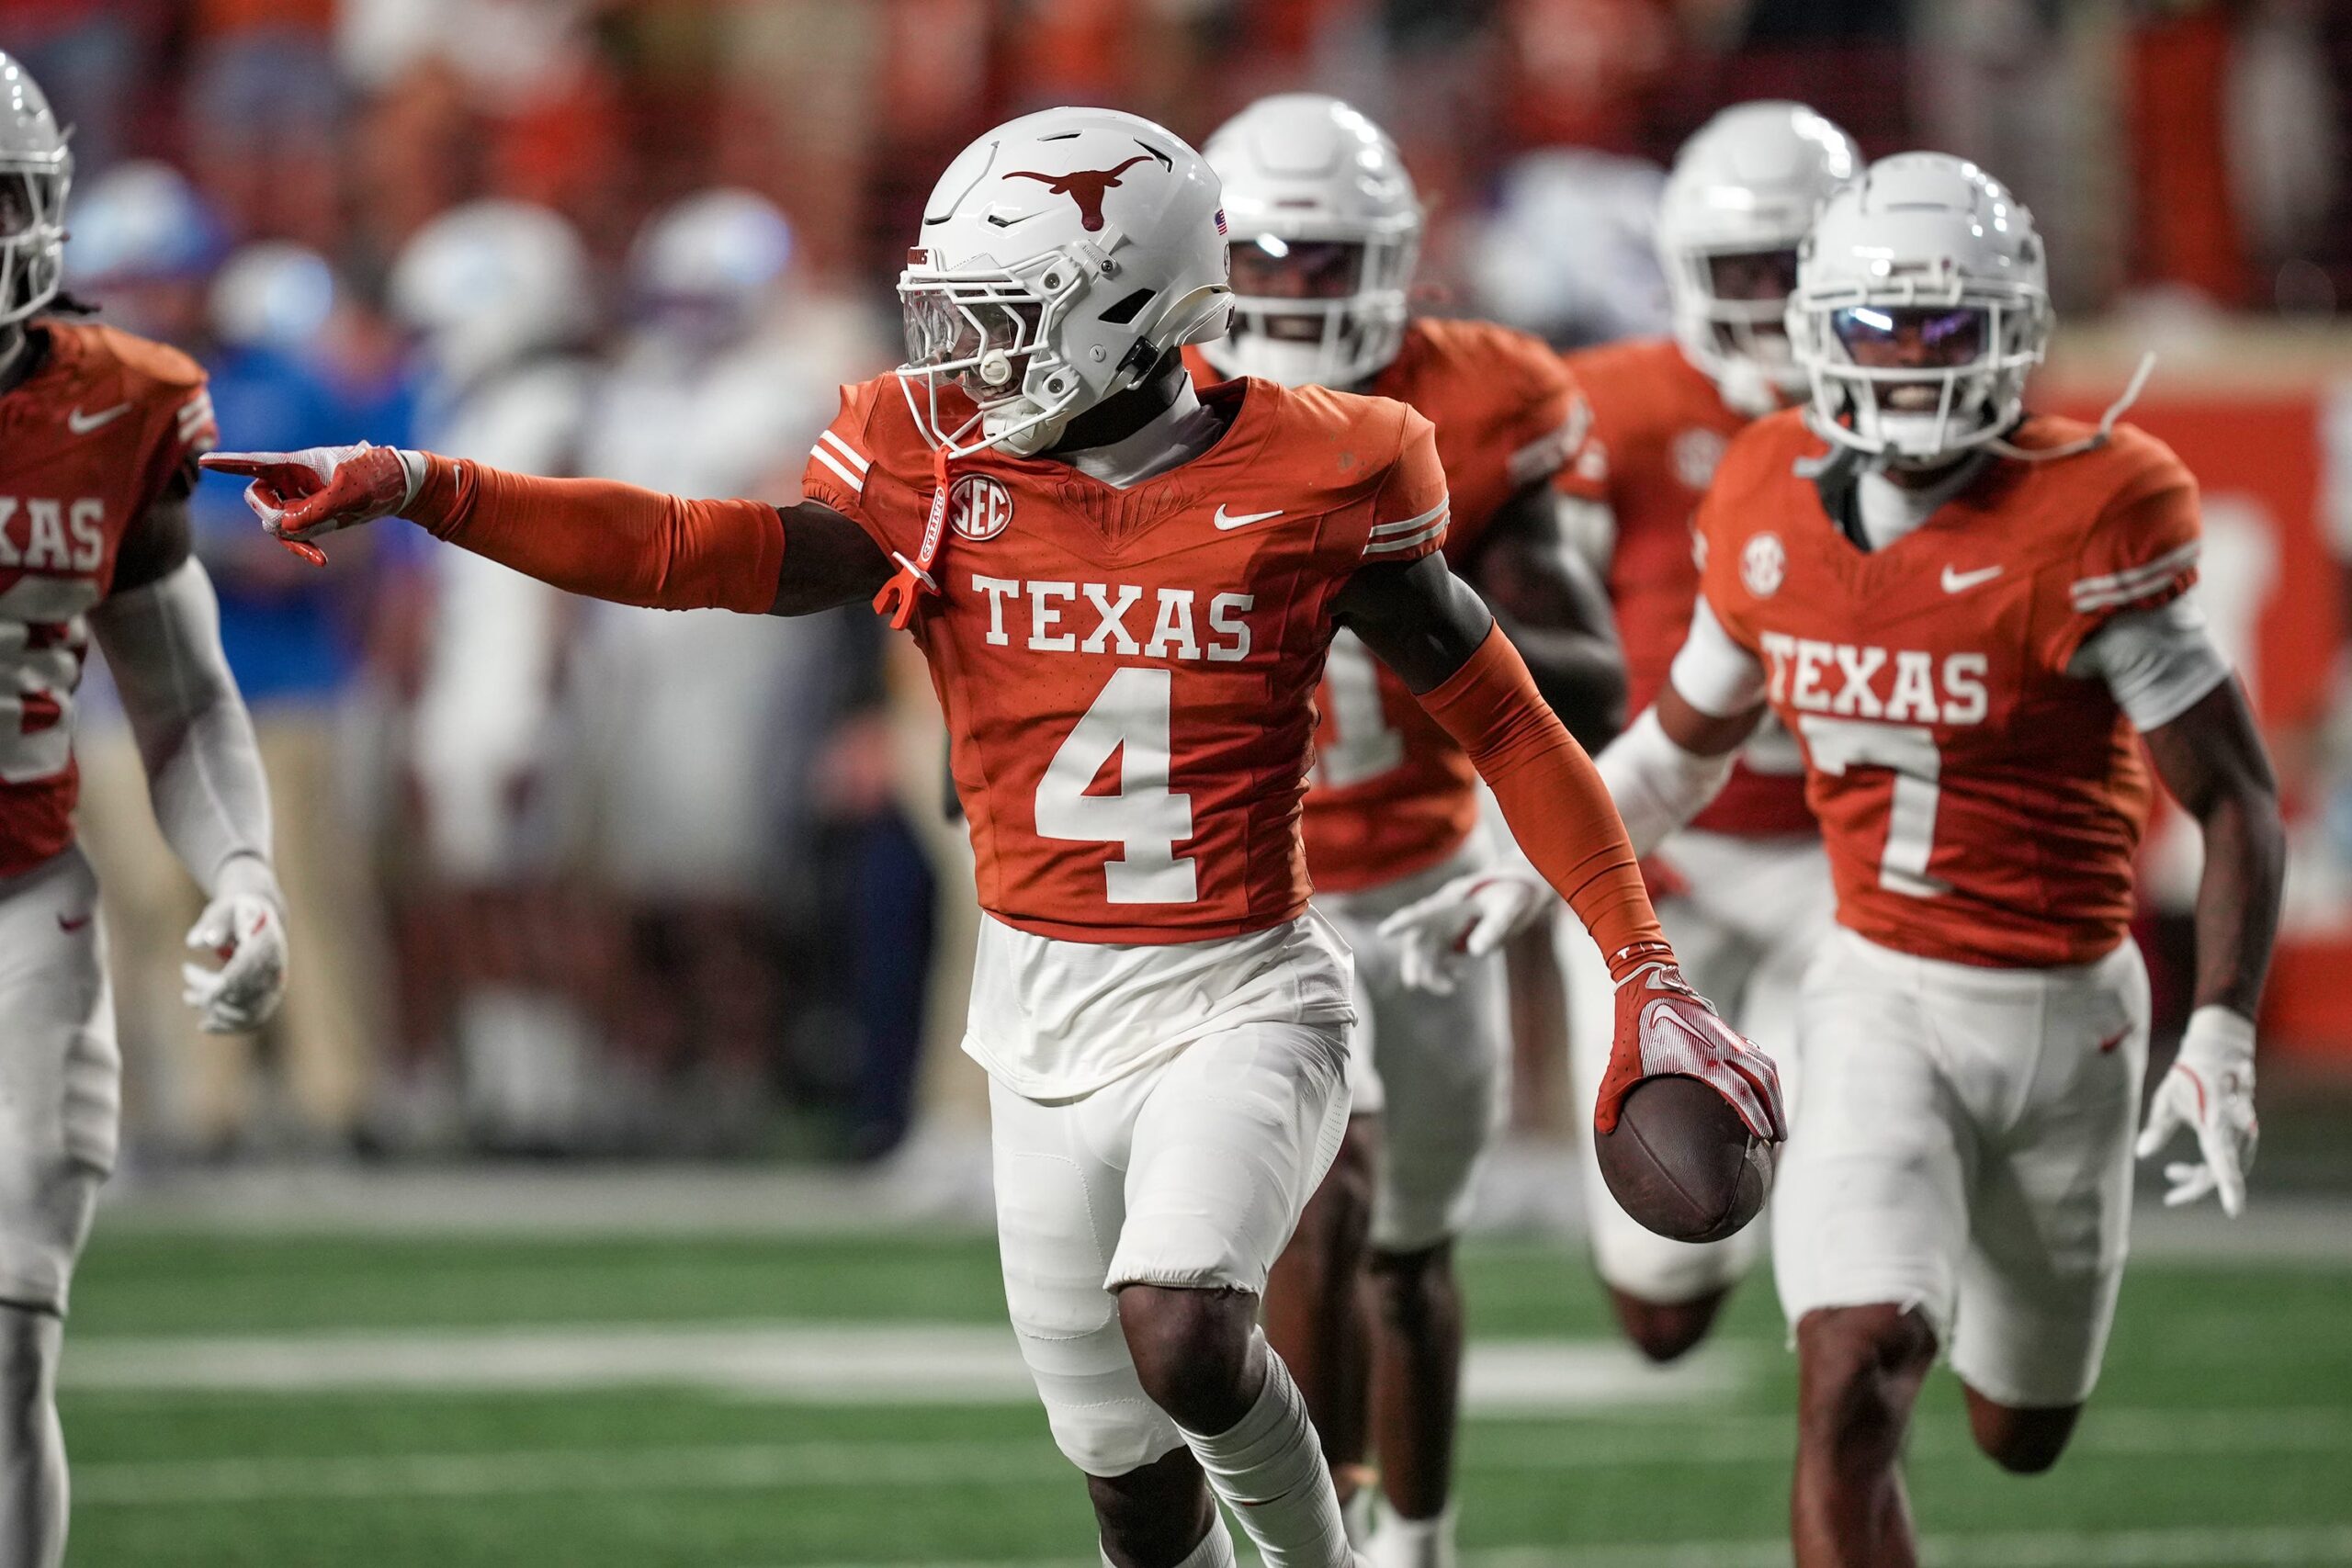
608 540
1551 796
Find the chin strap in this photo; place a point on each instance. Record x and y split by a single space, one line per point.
2098 437
899 596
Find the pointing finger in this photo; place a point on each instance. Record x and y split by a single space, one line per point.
250 465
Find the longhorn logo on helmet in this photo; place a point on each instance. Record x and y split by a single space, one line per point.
1084 187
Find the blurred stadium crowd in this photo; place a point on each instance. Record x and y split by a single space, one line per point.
570 877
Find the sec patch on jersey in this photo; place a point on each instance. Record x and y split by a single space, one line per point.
1681 1162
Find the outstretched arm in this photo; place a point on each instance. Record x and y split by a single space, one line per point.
161 631
591 536
1440 639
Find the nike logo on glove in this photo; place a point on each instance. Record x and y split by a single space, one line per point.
1241 520
1961 581
81 423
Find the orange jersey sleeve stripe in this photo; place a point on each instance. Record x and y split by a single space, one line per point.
1551 794
608 540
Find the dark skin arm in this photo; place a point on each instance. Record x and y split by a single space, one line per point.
1553 609
2212 761
1418 618
1703 734
828 561
155 546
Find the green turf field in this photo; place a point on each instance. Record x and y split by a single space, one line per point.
265 1401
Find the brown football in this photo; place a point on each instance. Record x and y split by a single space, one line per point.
1681 1161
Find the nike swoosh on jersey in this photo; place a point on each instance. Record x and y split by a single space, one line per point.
1242 520
75 924
81 423
1961 581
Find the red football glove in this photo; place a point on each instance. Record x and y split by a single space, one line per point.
299 496
1665 1028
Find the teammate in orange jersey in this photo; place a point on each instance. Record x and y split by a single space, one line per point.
1323 224
1746 896
99 432
1964 612
1125 593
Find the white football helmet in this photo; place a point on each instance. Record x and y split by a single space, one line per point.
273 294
1744 191
1303 170
1061 254
36 169
716 258
1922 304
492 283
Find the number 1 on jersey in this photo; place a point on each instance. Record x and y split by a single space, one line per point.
1130 717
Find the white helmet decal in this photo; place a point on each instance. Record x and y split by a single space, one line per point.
1304 169
1745 185
36 171
1922 304
1061 255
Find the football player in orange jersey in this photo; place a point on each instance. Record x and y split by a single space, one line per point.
1744 892
1323 225
1964 612
99 432
1124 591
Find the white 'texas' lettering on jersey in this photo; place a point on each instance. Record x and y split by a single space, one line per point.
1056 615
1856 680
42 534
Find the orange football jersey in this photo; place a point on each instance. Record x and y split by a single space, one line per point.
106 426
1658 429
1128 675
1391 793
1979 803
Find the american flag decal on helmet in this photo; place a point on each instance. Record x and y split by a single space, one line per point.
1220 220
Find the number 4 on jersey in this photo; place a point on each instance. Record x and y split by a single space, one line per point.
1130 717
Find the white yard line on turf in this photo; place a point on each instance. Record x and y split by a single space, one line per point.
806 1362
853 1465
2255 1547
941 1180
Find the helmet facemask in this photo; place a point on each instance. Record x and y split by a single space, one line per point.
1731 311
33 231
1920 370
984 364
1317 311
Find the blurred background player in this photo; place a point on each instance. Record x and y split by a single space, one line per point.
1164 1032
705 730
1965 610
497 294
102 431
1744 889
1324 227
